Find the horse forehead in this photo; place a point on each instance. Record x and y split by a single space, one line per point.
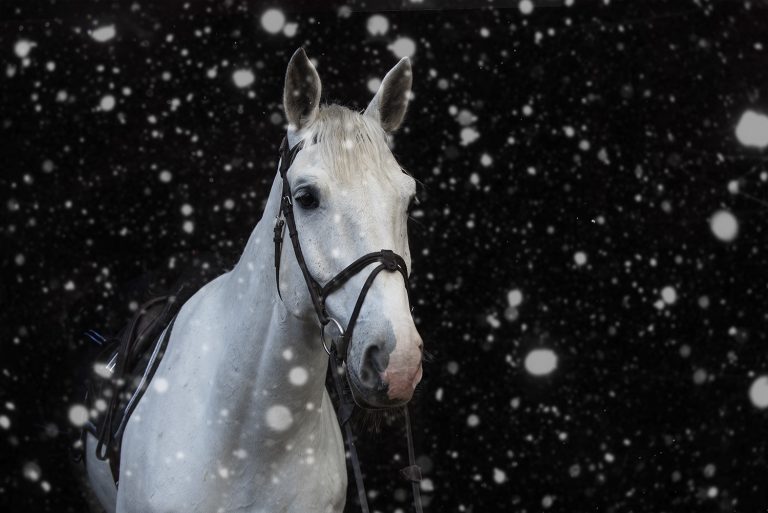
307 162
373 194
386 182
383 169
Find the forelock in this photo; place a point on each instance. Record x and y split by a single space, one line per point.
350 143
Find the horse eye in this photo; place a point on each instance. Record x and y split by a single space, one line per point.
307 200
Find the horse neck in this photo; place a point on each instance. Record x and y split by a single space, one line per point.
278 356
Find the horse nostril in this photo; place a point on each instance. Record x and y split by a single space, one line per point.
373 365
366 376
375 359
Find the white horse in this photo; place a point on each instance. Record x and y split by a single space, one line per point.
237 417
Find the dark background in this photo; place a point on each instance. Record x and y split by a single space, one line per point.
649 406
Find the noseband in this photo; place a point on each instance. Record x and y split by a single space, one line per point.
388 261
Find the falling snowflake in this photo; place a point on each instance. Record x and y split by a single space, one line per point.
541 362
243 77
104 34
273 20
752 129
403 47
724 225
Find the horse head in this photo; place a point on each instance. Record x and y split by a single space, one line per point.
348 197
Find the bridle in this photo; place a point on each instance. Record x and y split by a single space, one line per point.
388 261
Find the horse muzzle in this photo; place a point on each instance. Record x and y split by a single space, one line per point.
385 380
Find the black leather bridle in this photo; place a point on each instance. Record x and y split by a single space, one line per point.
388 261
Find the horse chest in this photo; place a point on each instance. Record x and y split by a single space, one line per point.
209 470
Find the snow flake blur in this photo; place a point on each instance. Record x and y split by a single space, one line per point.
160 385
758 392
298 376
514 298
32 471
273 20
403 47
22 48
78 415
752 129
373 84
104 34
279 418
243 77
669 295
540 362
526 6
377 25
724 225
107 103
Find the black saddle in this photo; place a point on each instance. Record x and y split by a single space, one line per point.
122 372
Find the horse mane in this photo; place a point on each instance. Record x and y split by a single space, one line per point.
350 143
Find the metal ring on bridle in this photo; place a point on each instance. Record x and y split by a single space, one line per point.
322 333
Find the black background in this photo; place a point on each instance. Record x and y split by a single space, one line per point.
655 88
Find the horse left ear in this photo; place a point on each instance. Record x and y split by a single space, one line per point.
391 100
301 95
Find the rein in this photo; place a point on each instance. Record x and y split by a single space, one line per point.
388 261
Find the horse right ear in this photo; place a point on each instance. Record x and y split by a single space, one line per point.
301 96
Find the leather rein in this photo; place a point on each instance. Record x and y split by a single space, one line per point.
388 261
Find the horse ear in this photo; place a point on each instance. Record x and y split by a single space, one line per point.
391 100
301 96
